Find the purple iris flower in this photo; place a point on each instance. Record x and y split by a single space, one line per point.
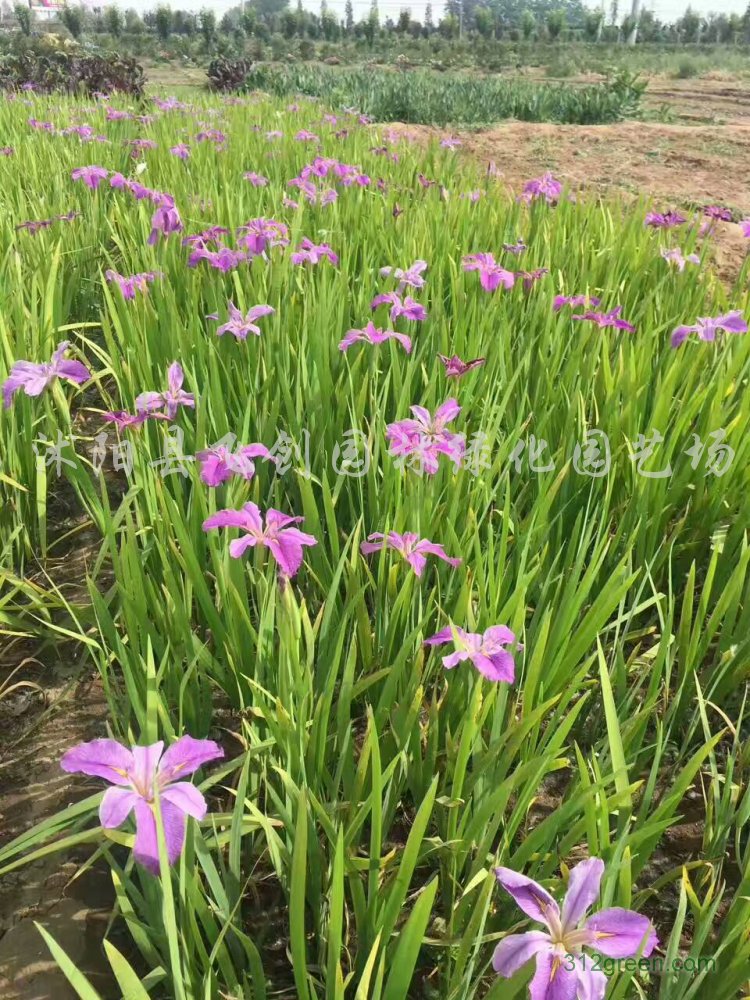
546 187
411 277
451 142
718 212
122 419
574 301
607 319
138 776
408 307
285 543
219 463
427 436
91 176
304 136
486 650
372 335
563 971
240 325
529 278
34 226
664 220
257 180
224 259
181 151
707 328
312 253
455 367
169 401
491 273
34 378
260 234
134 283
675 257
165 220
409 545
745 225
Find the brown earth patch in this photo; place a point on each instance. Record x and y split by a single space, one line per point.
681 166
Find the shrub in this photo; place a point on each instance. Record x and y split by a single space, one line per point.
686 69
228 74
60 71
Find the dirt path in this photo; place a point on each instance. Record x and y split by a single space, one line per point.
32 788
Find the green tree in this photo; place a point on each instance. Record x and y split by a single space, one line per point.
23 17
528 24
207 26
592 25
429 24
163 22
484 21
133 23
249 21
113 22
74 19
349 17
556 22
689 26
449 26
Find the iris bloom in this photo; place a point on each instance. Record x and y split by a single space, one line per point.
413 548
135 282
33 226
372 335
34 378
607 319
171 400
165 220
258 235
718 212
574 301
491 274
546 187
312 253
411 277
674 256
91 176
224 259
240 326
563 970
257 180
745 225
707 328
455 367
181 151
530 277
664 220
123 419
486 650
427 436
515 248
285 543
408 307
137 775
219 463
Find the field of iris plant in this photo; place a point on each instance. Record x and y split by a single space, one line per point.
415 513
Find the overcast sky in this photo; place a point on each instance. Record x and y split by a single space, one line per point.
667 10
